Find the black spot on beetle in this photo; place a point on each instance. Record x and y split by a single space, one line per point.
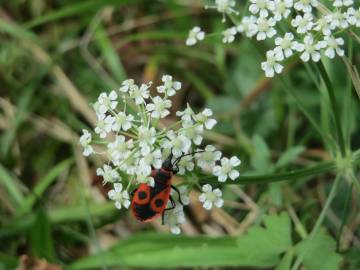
142 195
159 202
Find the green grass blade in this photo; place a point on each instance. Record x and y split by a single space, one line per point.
43 184
110 55
74 9
11 186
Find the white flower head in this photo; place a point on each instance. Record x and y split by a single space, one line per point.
149 160
193 132
229 35
332 46
343 3
127 85
119 148
264 28
122 122
159 107
323 24
108 173
286 44
121 197
260 6
310 49
146 138
104 125
178 144
338 19
224 7
195 35
305 5
107 102
208 158
210 197
227 169
272 65
281 8
169 87
184 195
204 118
303 24
247 26
85 141
353 16
185 164
140 94
174 218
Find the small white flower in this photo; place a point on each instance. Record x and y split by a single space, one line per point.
159 107
323 25
281 8
139 94
195 34
343 3
186 115
130 163
184 194
119 148
208 158
193 132
332 46
120 197
227 169
303 24
169 87
246 26
353 16
175 217
179 144
211 197
122 122
271 65
264 27
108 173
229 35
150 159
186 164
286 44
338 19
306 5
146 138
204 118
260 6
85 141
104 125
309 49
107 102
145 179
224 7
127 85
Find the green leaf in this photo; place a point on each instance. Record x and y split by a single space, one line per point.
290 155
286 261
319 252
42 245
260 248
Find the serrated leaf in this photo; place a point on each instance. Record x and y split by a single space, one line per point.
318 253
290 155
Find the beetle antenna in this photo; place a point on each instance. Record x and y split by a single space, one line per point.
177 160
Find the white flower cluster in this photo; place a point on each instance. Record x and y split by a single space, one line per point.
128 125
296 26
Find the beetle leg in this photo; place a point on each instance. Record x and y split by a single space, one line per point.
173 205
178 192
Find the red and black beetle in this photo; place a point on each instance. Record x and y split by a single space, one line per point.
149 202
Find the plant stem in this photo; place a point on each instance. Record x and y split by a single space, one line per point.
331 93
319 221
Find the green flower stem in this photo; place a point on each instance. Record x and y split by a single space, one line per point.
334 106
319 220
321 168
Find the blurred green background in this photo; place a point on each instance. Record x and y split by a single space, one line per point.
55 59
